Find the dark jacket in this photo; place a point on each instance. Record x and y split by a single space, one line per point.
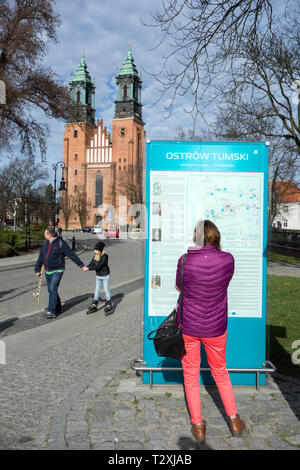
52 255
101 267
207 273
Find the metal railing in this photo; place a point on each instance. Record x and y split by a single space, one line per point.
143 368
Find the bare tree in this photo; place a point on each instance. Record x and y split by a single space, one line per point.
130 184
26 29
80 205
201 35
19 180
238 54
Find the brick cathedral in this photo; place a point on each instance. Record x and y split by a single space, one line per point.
100 166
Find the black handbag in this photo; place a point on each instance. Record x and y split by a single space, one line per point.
168 340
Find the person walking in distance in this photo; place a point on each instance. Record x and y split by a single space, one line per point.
52 254
207 273
99 264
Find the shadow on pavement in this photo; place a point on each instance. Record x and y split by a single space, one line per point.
7 323
5 292
75 302
186 443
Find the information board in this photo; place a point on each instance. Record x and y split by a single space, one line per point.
226 183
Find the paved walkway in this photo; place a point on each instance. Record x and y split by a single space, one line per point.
120 413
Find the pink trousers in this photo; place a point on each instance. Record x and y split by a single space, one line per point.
215 351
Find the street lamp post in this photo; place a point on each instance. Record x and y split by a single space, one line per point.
15 215
62 186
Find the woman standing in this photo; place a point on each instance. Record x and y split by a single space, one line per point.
207 273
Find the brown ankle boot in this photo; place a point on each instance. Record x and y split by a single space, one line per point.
236 426
198 431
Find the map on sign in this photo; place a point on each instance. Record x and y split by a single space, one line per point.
232 202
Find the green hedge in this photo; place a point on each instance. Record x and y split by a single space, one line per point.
36 231
7 250
9 237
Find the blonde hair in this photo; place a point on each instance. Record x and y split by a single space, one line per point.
207 233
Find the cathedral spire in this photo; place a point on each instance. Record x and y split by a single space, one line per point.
82 90
82 74
129 67
129 85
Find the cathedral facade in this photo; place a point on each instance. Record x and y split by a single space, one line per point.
101 166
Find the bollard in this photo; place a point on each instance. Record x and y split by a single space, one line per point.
73 244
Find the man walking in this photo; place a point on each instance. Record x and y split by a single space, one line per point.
51 256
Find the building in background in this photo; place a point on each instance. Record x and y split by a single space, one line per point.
287 205
100 166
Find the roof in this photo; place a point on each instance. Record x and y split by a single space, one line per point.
287 191
82 74
129 67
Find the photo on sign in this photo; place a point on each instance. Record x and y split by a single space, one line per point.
157 189
156 235
156 208
156 282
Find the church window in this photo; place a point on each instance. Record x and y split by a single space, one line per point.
78 96
99 190
125 92
75 172
120 168
75 187
75 133
124 159
76 156
120 159
124 168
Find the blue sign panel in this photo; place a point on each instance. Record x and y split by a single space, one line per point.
226 183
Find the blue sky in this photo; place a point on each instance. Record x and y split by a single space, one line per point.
104 29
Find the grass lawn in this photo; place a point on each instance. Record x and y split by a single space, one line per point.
284 322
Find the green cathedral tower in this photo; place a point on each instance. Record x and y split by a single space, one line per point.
129 90
82 90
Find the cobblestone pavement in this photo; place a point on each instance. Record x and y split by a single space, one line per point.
123 414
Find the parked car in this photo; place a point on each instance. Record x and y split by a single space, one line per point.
87 228
96 229
112 232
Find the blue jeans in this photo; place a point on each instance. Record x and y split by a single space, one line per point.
105 282
53 280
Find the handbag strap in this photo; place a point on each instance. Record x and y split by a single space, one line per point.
181 288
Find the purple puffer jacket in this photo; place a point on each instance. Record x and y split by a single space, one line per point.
207 273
